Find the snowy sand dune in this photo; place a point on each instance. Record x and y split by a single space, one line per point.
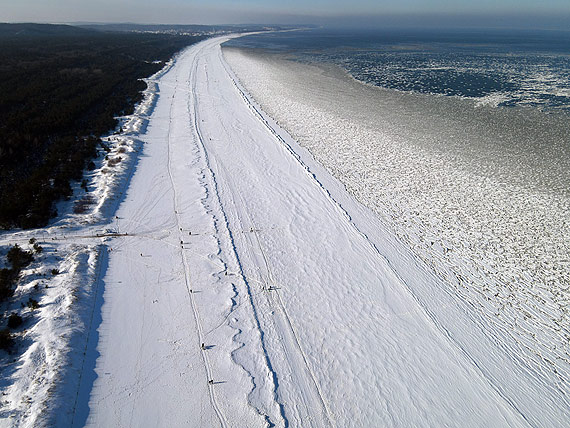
41 376
307 307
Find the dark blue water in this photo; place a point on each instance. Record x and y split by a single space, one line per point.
507 68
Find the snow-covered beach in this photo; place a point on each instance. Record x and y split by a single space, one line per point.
251 286
480 194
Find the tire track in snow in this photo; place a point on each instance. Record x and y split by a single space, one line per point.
208 369
289 340
215 193
314 410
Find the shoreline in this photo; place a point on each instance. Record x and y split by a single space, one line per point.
422 108
453 215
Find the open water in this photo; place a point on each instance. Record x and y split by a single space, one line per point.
503 68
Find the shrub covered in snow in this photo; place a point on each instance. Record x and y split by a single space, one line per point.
6 340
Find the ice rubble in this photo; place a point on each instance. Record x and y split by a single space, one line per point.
479 193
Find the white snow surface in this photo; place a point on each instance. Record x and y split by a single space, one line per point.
310 311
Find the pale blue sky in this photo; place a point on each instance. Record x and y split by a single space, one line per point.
280 11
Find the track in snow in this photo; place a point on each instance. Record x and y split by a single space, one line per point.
187 280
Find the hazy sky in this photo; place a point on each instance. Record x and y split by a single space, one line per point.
527 12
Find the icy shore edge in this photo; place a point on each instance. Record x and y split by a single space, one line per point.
512 350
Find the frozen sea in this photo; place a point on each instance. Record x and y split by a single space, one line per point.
460 142
504 68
